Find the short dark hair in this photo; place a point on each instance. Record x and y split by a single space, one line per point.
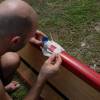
12 24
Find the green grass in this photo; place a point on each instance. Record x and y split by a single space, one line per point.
71 23
20 93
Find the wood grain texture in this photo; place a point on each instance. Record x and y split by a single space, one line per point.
70 85
30 78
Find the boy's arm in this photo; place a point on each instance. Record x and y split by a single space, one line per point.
35 92
48 69
3 94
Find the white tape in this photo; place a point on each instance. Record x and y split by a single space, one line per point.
51 47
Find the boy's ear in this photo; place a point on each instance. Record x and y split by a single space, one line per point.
16 40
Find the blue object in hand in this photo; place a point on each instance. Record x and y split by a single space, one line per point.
45 39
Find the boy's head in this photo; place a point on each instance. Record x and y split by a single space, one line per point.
18 21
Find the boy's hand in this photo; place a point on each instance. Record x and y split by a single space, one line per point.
51 66
37 38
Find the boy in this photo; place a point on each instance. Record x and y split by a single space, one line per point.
18 25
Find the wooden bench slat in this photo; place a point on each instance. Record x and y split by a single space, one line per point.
65 81
30 78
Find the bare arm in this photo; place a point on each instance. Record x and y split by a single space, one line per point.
35 92
47 70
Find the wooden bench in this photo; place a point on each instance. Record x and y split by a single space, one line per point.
65 85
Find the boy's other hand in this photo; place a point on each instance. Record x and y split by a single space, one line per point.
37 38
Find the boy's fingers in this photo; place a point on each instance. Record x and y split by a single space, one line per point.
51 58
58 60
35 41
40 33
